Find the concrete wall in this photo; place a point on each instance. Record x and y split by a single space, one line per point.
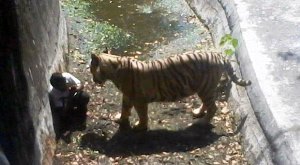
33 42
221 18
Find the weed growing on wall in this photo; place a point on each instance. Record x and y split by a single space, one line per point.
228 44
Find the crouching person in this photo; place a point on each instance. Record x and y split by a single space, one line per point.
68 103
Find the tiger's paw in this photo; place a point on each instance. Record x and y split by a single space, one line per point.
124 124
197 113
122 121
140 128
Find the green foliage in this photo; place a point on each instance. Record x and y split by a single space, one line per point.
76 8
228 44
106 35
96 34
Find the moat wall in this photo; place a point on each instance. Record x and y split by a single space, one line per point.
33 43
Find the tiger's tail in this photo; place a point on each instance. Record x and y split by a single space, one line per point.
233 76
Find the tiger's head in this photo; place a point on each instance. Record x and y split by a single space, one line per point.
102 67
95 69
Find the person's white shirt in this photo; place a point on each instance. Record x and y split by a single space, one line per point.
58 96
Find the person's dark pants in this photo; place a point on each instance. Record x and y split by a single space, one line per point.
75 116
78 109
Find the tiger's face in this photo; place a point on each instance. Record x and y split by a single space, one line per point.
95 68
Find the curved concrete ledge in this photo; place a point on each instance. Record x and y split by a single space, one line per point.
269 57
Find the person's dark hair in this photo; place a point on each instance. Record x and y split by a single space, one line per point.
56 78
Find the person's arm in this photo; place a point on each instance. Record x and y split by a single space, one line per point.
75 88
72 82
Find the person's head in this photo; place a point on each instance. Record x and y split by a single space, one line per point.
58 81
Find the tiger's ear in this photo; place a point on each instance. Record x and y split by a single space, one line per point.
95 60
105 50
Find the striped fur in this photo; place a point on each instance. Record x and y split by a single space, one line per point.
166 79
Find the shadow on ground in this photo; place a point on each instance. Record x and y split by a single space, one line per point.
151 142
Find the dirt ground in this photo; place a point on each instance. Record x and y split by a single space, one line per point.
173 138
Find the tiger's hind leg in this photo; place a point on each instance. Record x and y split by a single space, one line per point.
124 119
199 112
142 111
210 103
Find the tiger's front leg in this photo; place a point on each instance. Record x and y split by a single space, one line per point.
142 111
124 119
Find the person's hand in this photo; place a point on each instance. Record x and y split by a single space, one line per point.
72 90
80 87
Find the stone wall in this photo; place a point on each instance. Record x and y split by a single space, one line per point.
33 41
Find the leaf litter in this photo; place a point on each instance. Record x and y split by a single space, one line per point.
173 137
169 140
